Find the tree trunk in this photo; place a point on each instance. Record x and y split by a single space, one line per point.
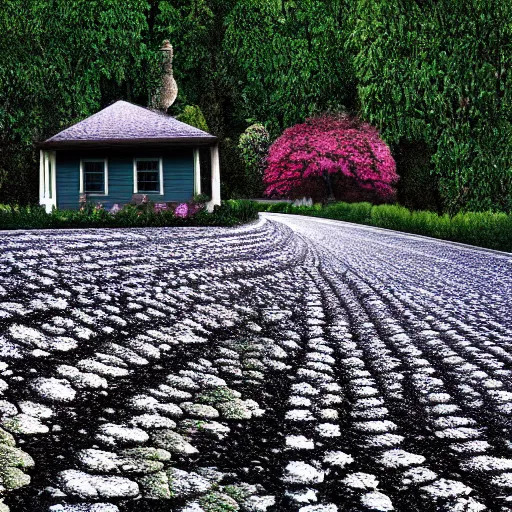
327 178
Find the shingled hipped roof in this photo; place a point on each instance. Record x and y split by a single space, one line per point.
125 124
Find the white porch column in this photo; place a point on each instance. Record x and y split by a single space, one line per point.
41 177
214 152
52 178
197 173
47 179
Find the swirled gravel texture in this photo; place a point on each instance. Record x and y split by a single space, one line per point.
293 364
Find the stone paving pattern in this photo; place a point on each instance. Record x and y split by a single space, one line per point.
289 365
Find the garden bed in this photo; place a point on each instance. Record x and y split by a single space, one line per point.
230 213
484 229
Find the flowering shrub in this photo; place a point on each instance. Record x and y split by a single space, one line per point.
230 213
336 156
253 145
160 207
181 210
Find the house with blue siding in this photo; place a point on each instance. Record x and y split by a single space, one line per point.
122 153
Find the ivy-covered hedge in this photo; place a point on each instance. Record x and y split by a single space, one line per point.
484 229
230 213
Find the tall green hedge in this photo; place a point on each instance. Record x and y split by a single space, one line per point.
439 73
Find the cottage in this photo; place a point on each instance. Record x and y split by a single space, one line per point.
125 151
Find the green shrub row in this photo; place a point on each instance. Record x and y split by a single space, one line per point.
230 213
485 229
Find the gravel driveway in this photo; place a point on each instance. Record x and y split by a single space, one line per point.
294 364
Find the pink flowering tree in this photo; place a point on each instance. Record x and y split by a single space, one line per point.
337 157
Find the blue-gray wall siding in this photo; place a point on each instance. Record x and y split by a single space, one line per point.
178 172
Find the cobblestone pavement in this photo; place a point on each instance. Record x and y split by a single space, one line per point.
290 365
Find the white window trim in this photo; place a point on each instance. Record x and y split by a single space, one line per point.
82 176
160 175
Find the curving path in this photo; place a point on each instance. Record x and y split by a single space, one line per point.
294 364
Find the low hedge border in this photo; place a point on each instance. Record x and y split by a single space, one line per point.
229 213
482 229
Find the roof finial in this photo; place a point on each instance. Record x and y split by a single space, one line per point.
169 88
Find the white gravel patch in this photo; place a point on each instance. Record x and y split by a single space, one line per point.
418 475
98 460
53 390
299 415
298 472
300 442
152 421
84 485
36 410
453 422
471 447
504 480
81 379
303 388
440 398
375 426
377 501
458 433
93 366
443 488
299 401
467 505
112 434
400 458
85 507
328 430
487 463
24 424
259 503
319 508
337 458
303 496
384 440
360 481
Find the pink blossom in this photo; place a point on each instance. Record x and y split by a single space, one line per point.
160 207
350 152
116 208
181 210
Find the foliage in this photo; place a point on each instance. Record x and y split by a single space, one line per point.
232 170
290 59
240 209
439 73
193 116
237 492
253 145
434 75
218 502
331 156
230 213
217 395
413 160
60 62
201 198
196 30
484 229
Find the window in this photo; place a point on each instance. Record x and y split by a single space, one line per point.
147 176
94 177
